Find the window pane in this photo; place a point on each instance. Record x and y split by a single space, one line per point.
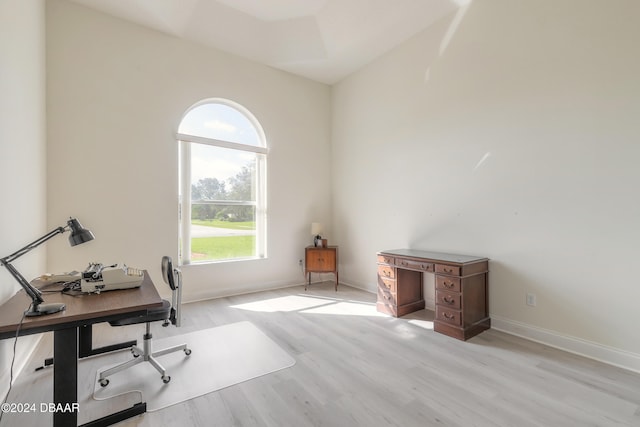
222 230
219 121
215 239
222 174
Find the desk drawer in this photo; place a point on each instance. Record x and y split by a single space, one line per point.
414 265
387 298
384 259
386 271
445 283
388 284
448 299
447 315
448 269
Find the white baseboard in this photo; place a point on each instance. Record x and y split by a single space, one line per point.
609 355
225 292
362 288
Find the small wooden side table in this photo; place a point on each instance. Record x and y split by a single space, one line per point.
320 260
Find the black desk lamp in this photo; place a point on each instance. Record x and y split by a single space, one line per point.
78 235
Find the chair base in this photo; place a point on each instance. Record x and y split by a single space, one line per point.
145 354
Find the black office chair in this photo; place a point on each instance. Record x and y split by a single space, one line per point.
169 313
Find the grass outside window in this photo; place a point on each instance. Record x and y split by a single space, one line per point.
223 247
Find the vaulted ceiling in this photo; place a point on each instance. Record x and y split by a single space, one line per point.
324 40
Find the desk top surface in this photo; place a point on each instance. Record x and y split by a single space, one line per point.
80 309
434 256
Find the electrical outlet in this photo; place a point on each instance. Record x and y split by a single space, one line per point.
531 300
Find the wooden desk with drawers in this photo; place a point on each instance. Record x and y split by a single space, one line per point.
461 287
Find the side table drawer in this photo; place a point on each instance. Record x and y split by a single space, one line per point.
320 260
448 299
445 283
447 315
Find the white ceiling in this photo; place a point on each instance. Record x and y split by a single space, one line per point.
324 40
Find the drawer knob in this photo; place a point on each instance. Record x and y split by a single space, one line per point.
449 316
448 284
448 300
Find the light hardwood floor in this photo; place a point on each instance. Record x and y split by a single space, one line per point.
355 367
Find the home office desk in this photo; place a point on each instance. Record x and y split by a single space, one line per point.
81 311
461 289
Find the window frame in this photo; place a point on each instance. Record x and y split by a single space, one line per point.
185 142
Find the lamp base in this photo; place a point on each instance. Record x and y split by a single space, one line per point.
42 309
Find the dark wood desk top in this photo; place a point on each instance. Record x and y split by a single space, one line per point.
434 256
80 310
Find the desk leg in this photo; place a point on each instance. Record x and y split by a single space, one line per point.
86 343
65 377
86 349
65 385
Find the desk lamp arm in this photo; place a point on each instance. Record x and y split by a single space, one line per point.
33 292
17 254
78 235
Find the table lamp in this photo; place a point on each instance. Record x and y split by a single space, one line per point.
316 229
78 235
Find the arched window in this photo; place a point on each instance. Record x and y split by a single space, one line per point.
223 159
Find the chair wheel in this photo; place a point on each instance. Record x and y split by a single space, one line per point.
166 378
134 353
187 351
104 382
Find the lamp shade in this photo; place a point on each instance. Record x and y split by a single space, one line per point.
79 234
316 228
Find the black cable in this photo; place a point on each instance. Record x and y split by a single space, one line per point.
62 285
15 343
71 288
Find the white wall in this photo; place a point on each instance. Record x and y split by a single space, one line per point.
509 130
116 94
22 154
